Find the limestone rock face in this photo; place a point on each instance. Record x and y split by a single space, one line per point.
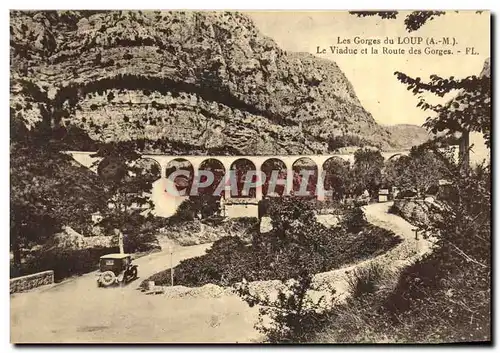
184 82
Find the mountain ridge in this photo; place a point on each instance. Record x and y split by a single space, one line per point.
196 81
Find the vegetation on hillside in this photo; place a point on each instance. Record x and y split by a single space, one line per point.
421 170
49 190
445 296
296 244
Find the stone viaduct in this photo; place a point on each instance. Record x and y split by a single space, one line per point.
288 162
234 205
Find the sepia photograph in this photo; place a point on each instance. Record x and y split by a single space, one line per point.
250 177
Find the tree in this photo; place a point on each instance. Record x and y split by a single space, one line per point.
337 177
419 170
127 185
413 21
366 173
469 111
48 190
465 228
287 214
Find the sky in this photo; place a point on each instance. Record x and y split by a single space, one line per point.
372 76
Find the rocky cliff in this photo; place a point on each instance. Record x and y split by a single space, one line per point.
185 82
407 135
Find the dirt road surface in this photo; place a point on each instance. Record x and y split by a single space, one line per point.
77 311
377 214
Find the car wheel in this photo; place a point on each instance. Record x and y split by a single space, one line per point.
133 272
107 278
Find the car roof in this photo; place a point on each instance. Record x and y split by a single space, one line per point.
114 256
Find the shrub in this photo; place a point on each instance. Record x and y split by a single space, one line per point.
246 228
313 248
196 270
226 247
224 263
140 242
443 297
354 220
204 205
455 299
369 242
339 141
365 281
294 315
185 212
357 321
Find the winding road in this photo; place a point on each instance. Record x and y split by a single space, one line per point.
77 311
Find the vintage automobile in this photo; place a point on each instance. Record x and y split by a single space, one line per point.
115 269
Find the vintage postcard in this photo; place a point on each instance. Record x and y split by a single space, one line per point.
250 176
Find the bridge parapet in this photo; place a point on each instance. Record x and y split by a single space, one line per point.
24 283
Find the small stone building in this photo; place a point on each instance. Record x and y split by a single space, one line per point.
241 207
383 195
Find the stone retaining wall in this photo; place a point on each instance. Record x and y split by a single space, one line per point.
20 284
